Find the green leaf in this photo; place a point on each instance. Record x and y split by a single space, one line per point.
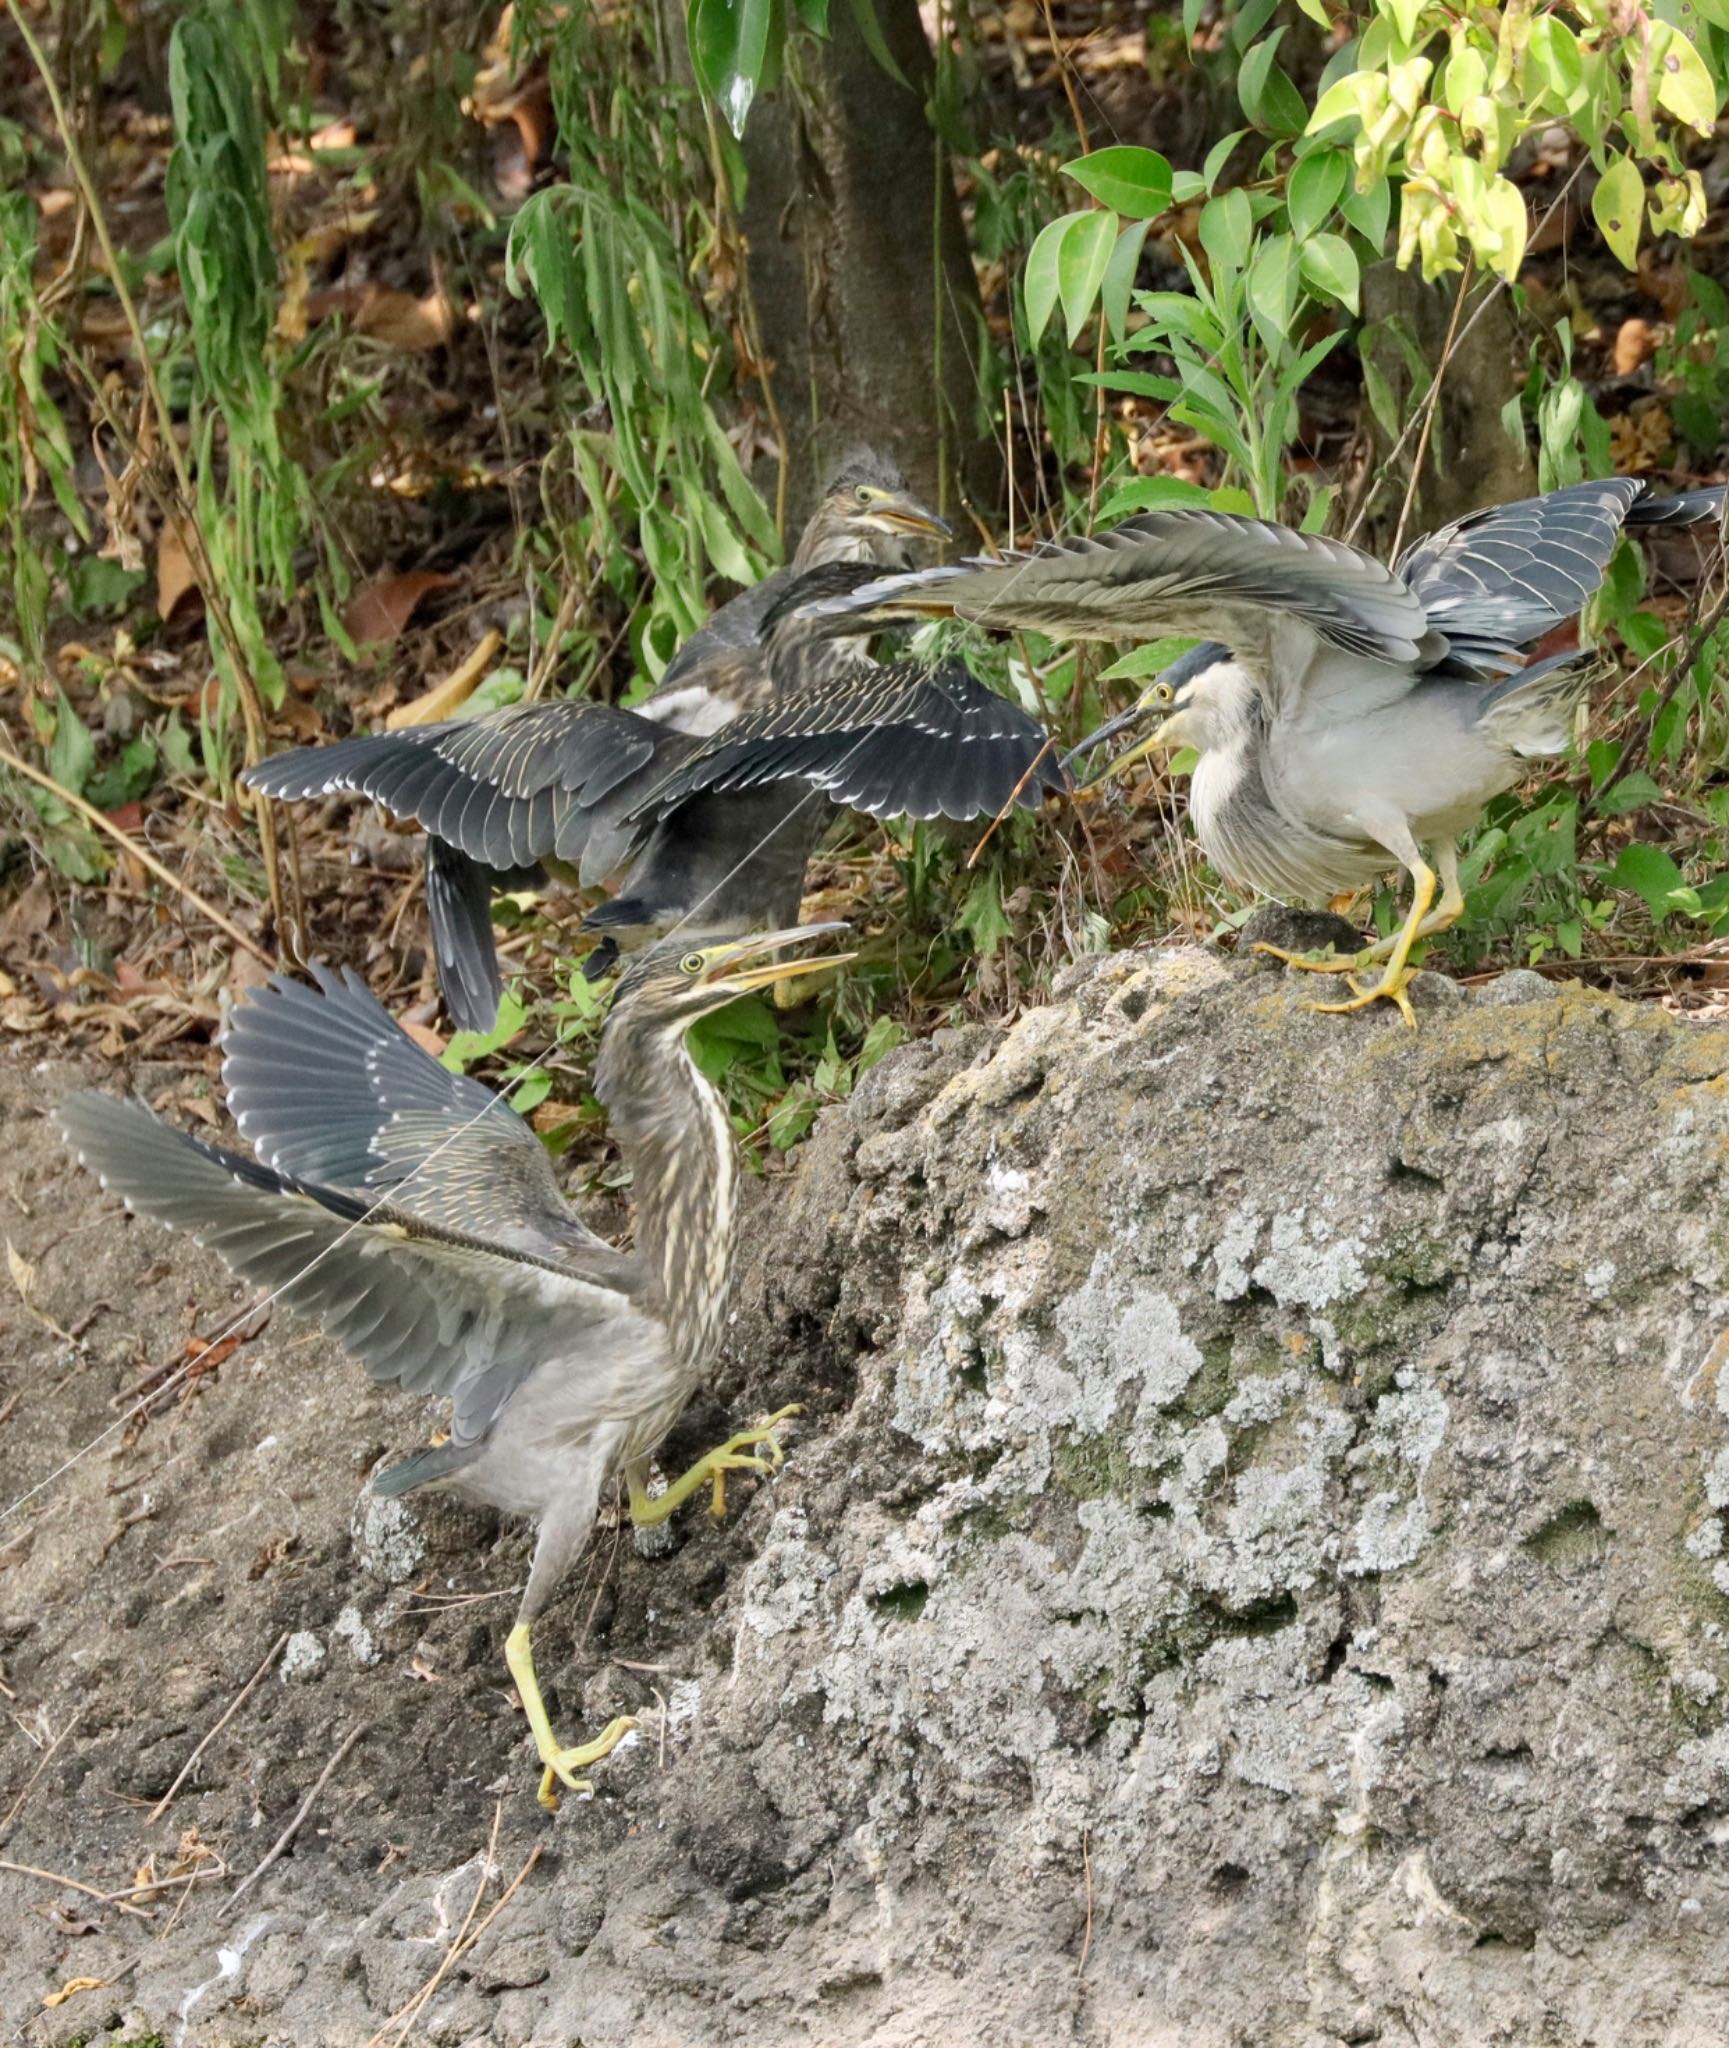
1149 494
1272 290
1219 155
1631 793
1650 873
883 1036
1136 182
1685 85
1083 257
728 52
871 30
1269 98
1120 276
1369 212
1315 187
814 15
124 779
1330 267
72 751
94 585
1618 208
1041 281
1227 226
466 1047
529 1094
722 544
1146 661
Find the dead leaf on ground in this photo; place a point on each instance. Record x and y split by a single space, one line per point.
1635 340
396 318
380 609
425 1037
450 695
175 582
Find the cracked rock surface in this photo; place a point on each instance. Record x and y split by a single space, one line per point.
1254 1572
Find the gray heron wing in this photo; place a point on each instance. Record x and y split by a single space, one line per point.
905 739
423 1308
328 1089
507 788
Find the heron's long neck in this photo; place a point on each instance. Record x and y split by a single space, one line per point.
677 1141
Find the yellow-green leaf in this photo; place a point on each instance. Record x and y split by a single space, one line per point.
1685 88
1504 210
1618 207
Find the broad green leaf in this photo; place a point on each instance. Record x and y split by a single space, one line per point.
728 52
1227 225
1618 208
1159 654
1503 210
1314 188
1272 290
1041 283
718 538
1187 186
1554 56
1268 97
1631 793
1136 182
1685 86
1120 276
1650 873
72 751
1083 257
814 15
1148 494
1342 101
1329 265
1247 21
1369 212
465 1047
1219 155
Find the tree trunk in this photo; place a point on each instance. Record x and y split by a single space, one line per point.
854 232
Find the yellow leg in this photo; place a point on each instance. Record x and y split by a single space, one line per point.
1397 974
733 1456
561 1764
1443 917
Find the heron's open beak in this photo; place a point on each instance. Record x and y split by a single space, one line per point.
732 966
1108 731
893 512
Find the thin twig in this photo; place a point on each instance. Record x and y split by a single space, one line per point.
139 852
239 1700
279 1848
1012 800
17 1806
463 1942
1431 403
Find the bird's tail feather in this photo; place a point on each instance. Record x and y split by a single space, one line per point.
1531 711
422 1469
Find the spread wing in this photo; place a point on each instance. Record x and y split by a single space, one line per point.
423 1308
1178 573
508 788
903 740
327 1088
1499 579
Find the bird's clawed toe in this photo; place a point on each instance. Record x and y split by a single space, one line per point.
562 1765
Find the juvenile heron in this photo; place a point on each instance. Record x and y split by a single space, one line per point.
1346 715
504 794
416 1216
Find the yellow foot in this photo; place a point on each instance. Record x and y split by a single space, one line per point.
738 1454
563 1764
1328 962
1391 988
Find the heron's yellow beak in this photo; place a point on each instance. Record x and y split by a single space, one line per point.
731 966
896 512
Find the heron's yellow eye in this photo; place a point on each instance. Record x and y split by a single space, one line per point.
690 964
864 494
1161 693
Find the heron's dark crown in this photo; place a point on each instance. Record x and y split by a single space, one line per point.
1181 675
863 466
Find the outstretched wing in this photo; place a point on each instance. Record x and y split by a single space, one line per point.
508 788
903 740
329 1090
1501 578
1180 573
428 1310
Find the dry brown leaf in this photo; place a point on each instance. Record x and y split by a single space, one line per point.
380 609
451 694
396 318
71 1989
425 1037
175 582
1635 341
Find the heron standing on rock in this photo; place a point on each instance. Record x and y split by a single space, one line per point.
415 1215
1346 715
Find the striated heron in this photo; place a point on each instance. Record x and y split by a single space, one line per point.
504 794
1346 715
415 1215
